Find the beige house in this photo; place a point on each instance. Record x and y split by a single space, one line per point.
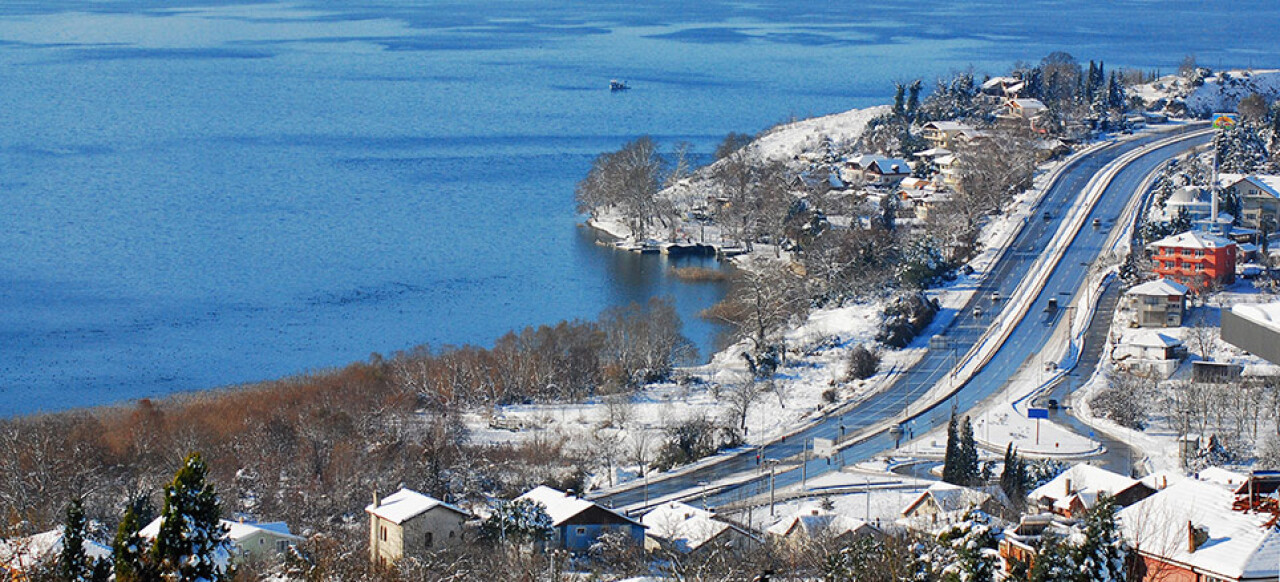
814 523
943 504
946 134
1259 198
1159 303
687 529
408 523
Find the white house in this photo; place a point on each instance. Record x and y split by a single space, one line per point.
818 524
22 554
1159 303
408 523
1077 489
687 529
943 504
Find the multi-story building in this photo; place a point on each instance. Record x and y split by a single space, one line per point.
1195 258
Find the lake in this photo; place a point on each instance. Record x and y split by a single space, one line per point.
201 194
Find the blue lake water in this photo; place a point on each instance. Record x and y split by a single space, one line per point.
199 194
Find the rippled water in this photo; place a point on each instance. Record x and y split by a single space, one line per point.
201 194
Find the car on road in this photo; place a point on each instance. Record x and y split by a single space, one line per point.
1048 216
1097 222
995 296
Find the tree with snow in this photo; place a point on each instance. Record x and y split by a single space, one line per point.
1054 561
517 521
951 458
1101 555
130 549
1013 478
74 565
192 545
971 545
960 466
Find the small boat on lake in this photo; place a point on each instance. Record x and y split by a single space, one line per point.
616 85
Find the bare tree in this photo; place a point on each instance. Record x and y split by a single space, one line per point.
741 397
628 180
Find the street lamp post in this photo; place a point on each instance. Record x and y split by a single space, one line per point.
703 484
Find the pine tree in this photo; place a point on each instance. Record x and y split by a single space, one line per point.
1101 557
913 98
517 521
1054 561
1013 479
899 100
951 459
192 544
130 549
73 563
968 471
972 548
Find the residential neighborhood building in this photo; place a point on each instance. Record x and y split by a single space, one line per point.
579 523
1195 258
813 523
943 504
250 541
408 523
1159 303
876 170
947 134
921 197
1259 197
686 529
1148 353
1075 491
1025 109
1196 530
1019 544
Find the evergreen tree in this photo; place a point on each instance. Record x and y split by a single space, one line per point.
951 459
968 471
971 546
913 98
1054 561
74 564
1013 479
192 545
899 100
1101 557
517 521
130 549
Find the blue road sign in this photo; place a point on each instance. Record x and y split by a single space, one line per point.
1037 413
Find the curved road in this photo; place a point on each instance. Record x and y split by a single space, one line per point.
1027 338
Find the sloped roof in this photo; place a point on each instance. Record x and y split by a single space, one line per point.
1160 286
1027 103
236 530
814 522
1193 239
1085 478
1240 545
406 504
948 498
891 166
562 507
948 126
684 526
1152 339
1266 183
22 553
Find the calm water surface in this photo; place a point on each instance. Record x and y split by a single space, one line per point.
198 193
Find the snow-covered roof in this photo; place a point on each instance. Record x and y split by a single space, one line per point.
236 530
406 504
1193 239
22 553
1161 479
562 507
1240 545
1264 314
1266 183
1160 286
1027 104
1147 338
999 82
933 152
684 526
1186 196
814 522
948 126
1220 476
1083 478
890 166
948 498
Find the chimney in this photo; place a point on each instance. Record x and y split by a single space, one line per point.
1191 537
1068 482
1164 481
376 501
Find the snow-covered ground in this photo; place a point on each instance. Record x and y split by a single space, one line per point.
1221 91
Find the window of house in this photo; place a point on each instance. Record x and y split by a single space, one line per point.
451 535
383 533
428 539
1200 267
282 546
262 541
582 531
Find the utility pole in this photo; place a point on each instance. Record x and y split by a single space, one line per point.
804 466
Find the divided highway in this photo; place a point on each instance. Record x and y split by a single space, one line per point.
1021 347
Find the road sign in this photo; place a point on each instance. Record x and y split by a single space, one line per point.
1224 120
1037 413
823 447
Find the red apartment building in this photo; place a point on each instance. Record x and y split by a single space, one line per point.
1195 259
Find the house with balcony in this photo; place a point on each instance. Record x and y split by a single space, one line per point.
1195 258
875 170
1159 303
947 134
1259 197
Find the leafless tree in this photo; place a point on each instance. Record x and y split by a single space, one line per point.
740 397
628 180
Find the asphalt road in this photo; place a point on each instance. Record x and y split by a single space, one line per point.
1021 348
